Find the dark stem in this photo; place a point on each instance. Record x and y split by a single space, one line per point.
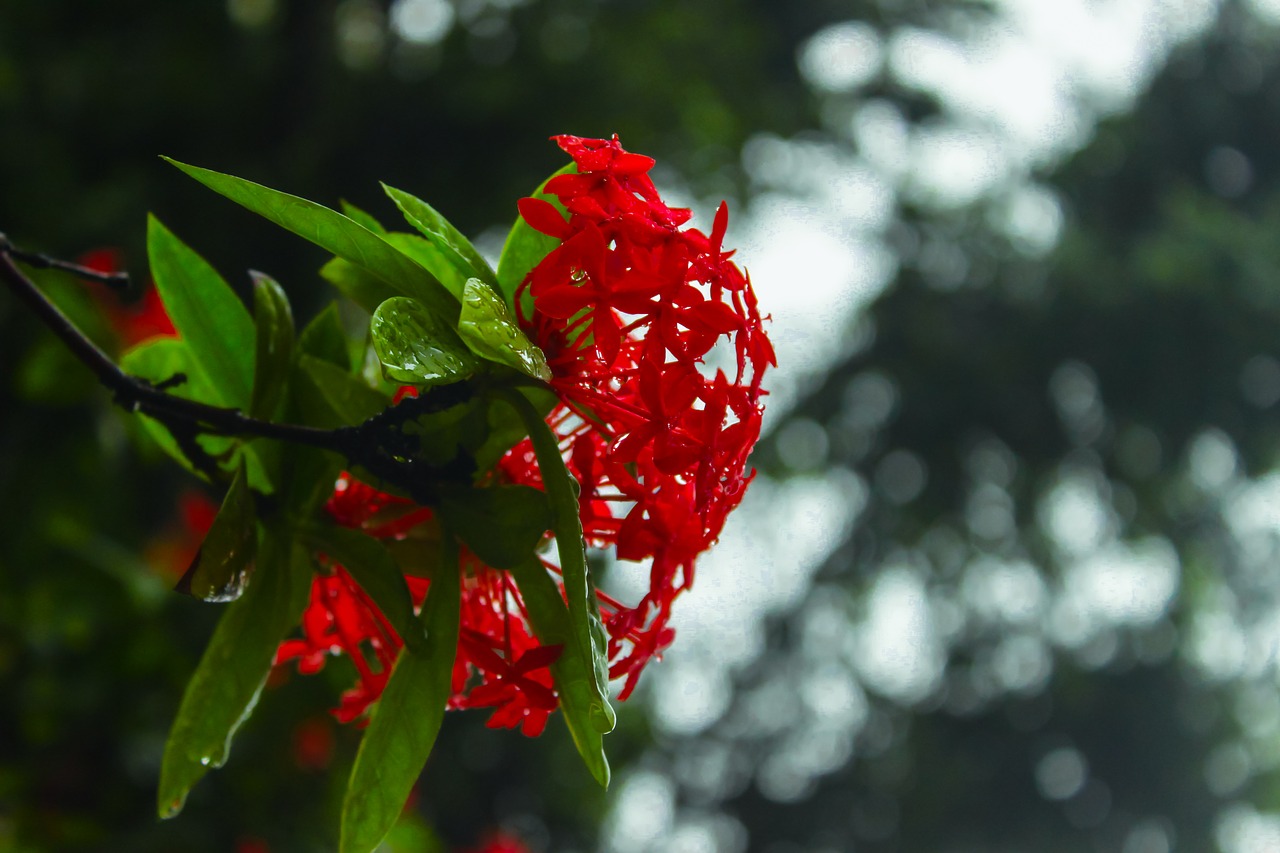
378 444
114 280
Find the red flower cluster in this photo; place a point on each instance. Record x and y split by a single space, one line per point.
499 663
630 309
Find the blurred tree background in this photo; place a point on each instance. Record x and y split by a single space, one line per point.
1031 413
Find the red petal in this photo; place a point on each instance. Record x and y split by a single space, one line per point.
542 216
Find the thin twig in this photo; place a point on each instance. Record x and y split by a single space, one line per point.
114 280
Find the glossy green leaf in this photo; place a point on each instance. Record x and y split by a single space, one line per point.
208 315
525 248
488 329
339 234
415 347
325 338
396 745
572 672
451 242
329 396
371 564
221 568
226 683
501 524
273 345
584 612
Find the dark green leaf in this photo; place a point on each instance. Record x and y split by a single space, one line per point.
309 475
221 568
405 724
330 230
208 315
371 564
571 671
226 684
325 338
273 346
502 525
506 427
415 347
488 329
451 242
525 248
584 612
329 396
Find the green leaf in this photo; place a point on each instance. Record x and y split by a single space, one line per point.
488 329
350 211
525 248
273 345
226 684
405 724
221 568
208 315
325 338
357 283
506 428
162 359
452 244
329 396
371 564
502 524
433 257
415 347
340 235
571 671
584 612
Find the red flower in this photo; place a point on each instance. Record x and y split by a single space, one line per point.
500 842
136 323
629 309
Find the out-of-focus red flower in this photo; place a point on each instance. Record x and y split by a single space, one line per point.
313 743
657 351
251 844
171 551
499 842
135 323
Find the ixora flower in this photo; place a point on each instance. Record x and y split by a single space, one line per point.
656 348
